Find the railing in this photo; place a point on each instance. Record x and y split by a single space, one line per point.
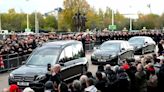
12 61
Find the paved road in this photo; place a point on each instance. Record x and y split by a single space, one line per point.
4 76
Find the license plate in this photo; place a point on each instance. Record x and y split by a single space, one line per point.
23 83
101 60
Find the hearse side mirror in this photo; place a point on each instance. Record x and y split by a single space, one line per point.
48 67
122 49
145 43
24 62
62 64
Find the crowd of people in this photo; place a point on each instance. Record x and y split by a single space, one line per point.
25 45
21 46
145 74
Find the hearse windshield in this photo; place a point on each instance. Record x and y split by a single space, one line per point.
110 46
43 57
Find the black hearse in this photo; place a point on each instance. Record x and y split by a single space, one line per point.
69 54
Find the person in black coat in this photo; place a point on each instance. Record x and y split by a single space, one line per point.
112 79
53 76
161 79
123 81
83 40
160 47
100 84
63 87
49 87
155 59
131 73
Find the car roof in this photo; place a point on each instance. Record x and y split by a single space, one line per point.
60 43
140 37
116 41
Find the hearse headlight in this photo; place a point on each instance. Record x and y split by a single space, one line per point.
11 76
93 56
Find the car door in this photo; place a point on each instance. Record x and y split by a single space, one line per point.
123 51
66 61
152 44
78 58
147 44
70 68
130 52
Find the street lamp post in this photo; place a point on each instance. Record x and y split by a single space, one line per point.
27 21
59 9
27 18
0 24
130 20
112 18
130 24
36 23
58 16
57 20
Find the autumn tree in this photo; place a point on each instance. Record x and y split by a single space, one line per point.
161 21
150 21
50 23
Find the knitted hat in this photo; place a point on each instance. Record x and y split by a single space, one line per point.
151 69
125 67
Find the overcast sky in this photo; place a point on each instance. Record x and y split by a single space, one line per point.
123 6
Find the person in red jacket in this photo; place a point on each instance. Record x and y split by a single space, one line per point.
14 88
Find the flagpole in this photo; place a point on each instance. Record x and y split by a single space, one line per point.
112 19
27 18
36 23
0 24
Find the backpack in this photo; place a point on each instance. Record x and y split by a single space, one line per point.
123 76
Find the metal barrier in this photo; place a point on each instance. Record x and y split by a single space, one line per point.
89 46
12 61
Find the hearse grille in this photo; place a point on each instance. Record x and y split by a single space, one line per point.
23 78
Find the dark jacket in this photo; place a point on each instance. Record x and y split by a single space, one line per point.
112 80
160 48
56 78
100 85
140 82
123 81
161 79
